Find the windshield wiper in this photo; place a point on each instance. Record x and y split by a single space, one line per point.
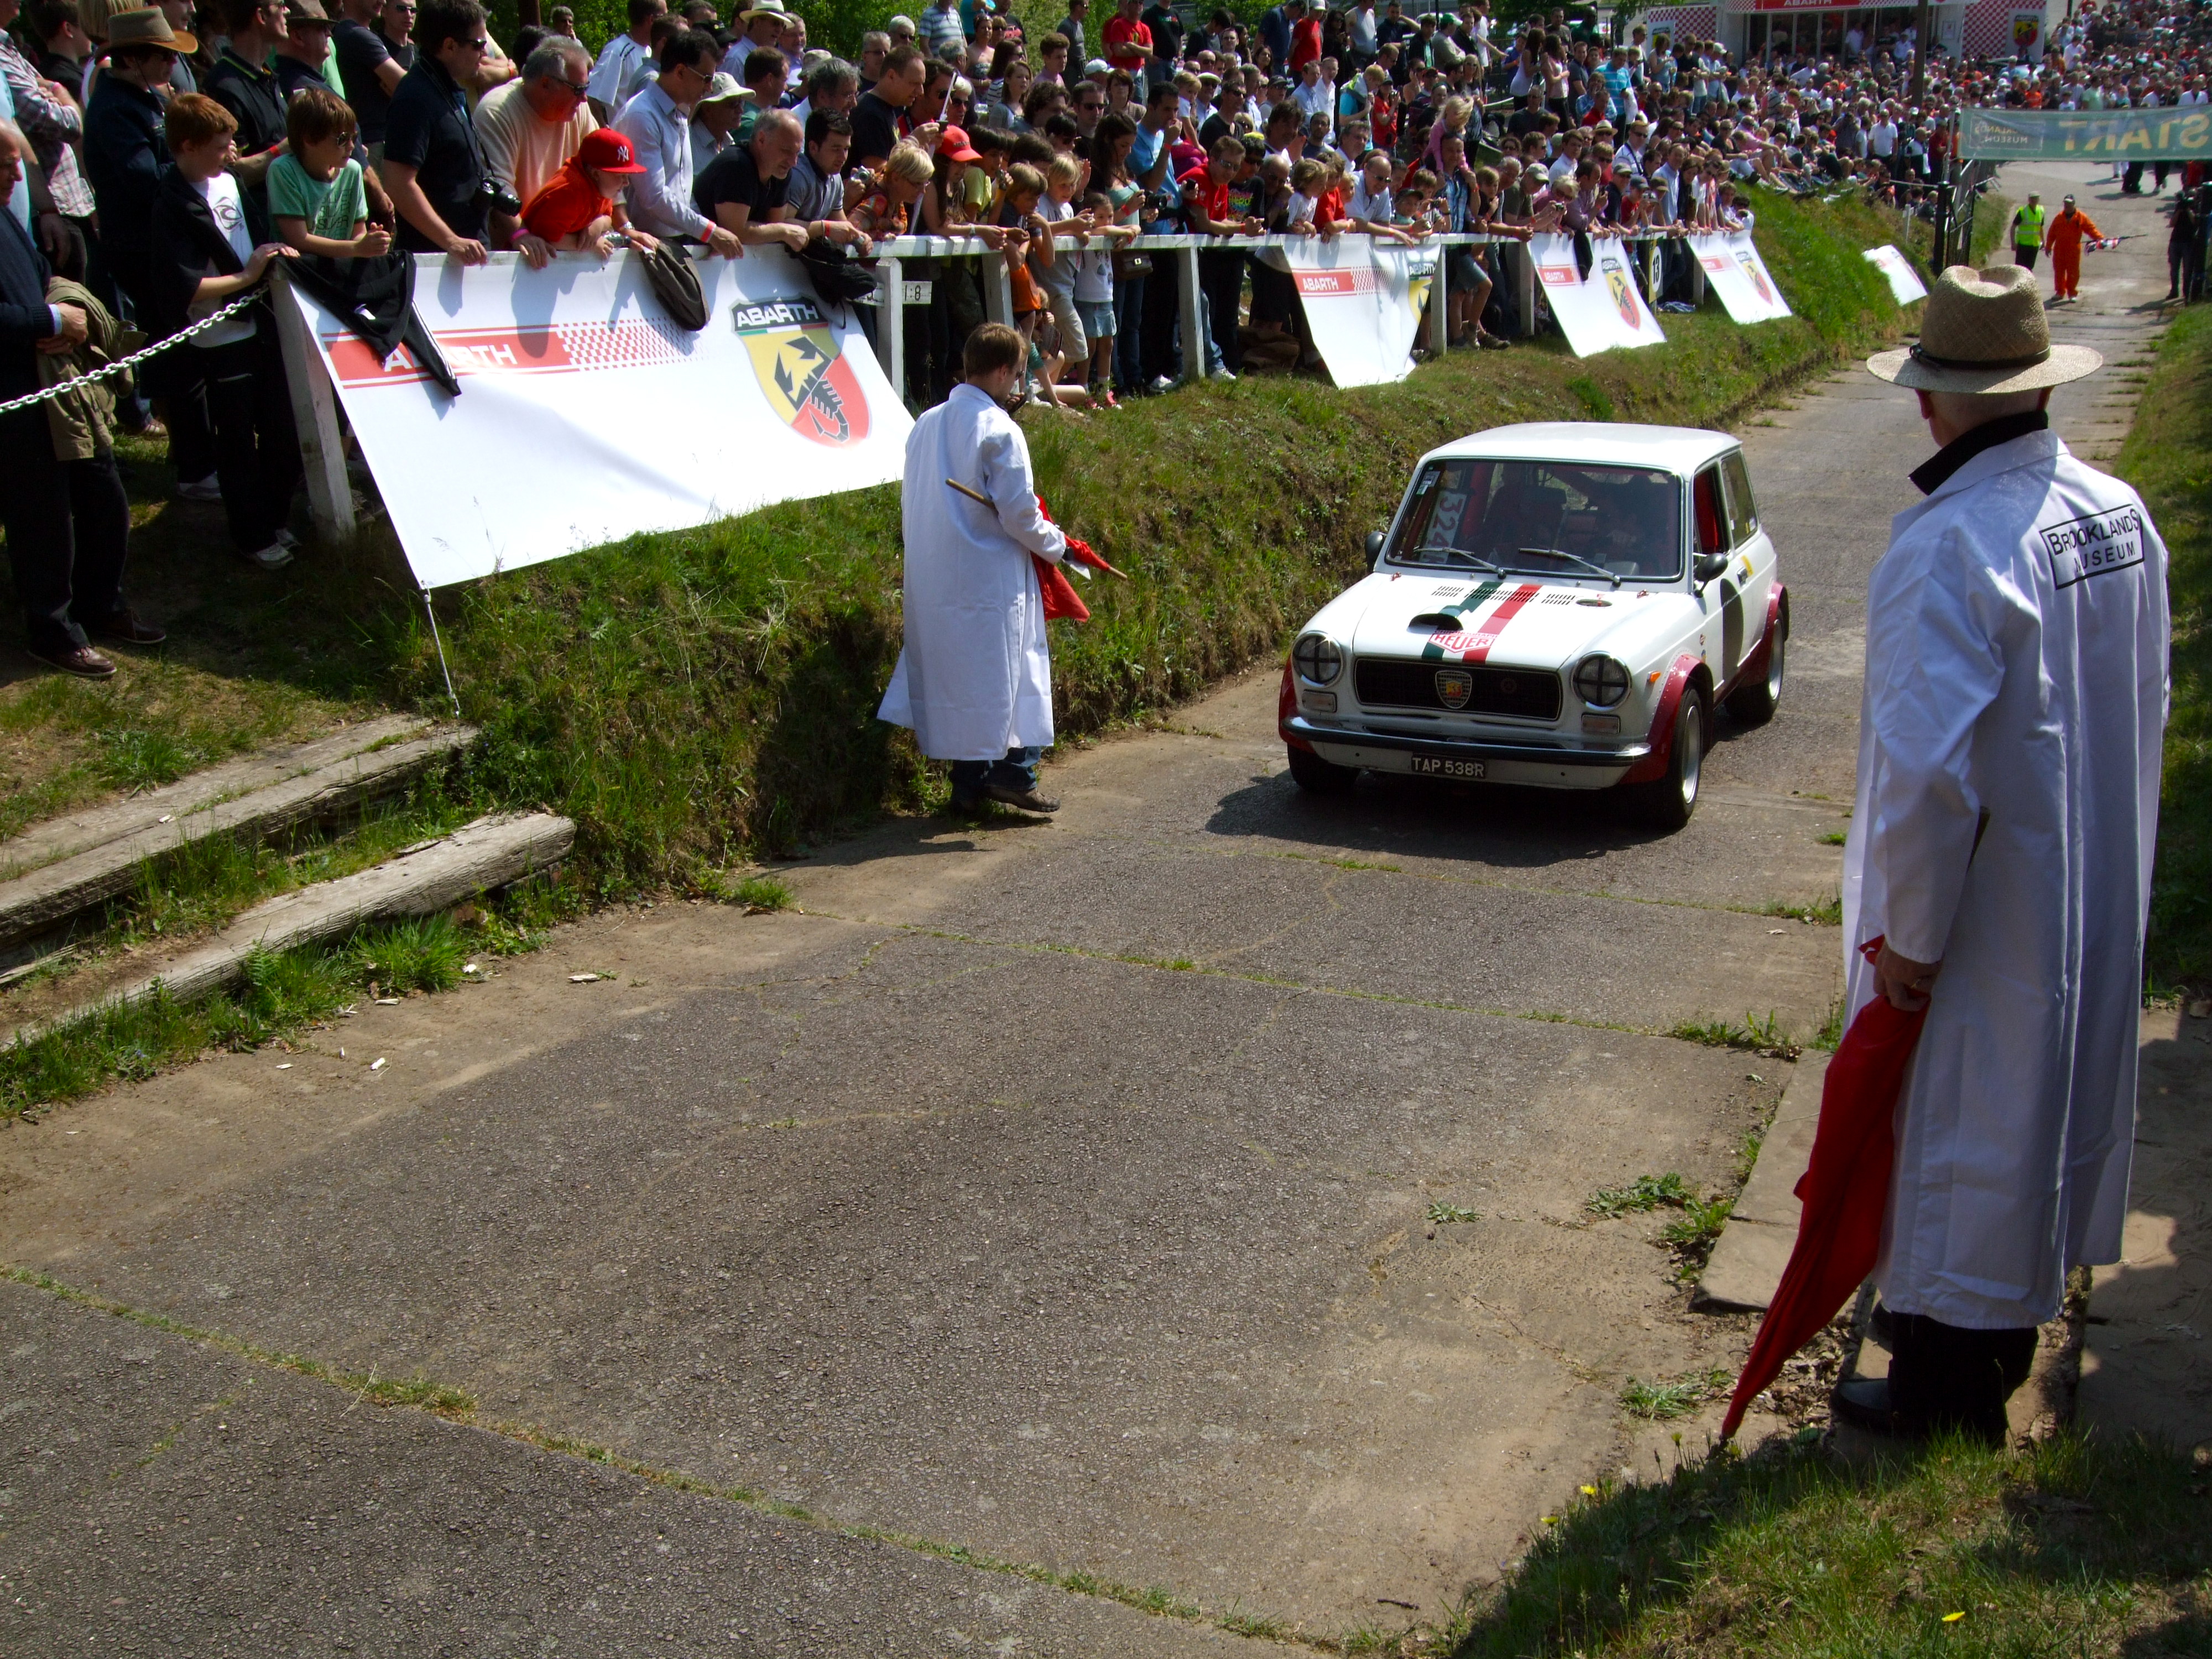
1474 559
1573 558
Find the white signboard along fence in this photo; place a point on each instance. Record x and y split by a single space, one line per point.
586 414
1903 281
1601 311
1734 271
1358 302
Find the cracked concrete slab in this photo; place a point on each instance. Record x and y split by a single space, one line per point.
159 1491
1063 1259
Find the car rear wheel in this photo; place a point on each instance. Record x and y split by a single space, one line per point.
1755 704
1319 777
1667 802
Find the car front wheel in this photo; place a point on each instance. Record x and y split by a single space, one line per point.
1667 802
1319 777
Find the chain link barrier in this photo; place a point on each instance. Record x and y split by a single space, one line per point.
123 365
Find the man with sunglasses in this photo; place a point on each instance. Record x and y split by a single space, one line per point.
430 167
658 124
528 130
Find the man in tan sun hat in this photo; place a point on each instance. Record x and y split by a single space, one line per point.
2001 847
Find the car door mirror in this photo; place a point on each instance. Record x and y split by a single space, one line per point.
1709 566
1374 545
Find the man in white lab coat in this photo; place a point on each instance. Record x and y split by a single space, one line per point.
975 677
2008 804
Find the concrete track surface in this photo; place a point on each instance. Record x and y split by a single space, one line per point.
1061 1194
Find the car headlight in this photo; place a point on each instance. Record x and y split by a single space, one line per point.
1601 681
1320 661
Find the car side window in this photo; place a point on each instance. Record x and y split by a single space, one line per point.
1743 511
1712 515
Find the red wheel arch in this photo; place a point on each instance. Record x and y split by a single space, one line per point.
1653 766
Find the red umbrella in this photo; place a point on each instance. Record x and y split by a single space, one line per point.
1845 1191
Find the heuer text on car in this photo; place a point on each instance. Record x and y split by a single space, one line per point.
1564 605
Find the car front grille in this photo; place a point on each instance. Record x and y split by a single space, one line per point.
1392 683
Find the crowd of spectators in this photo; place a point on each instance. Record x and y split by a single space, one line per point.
158 160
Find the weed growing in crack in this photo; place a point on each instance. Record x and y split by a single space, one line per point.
1662 1403
1648 1193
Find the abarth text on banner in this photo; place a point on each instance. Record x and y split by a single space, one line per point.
1358 304
588 414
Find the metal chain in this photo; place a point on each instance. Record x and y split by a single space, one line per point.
136 357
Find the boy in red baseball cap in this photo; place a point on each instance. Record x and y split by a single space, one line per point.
581 206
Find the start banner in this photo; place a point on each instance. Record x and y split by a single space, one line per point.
1359 303
2172 134
1903 281
1734 271
588 414
1602 311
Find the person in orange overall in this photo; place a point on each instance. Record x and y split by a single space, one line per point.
2062 241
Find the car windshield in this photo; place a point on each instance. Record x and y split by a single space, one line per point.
1553 518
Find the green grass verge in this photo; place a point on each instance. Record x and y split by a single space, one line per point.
2168 457
284 993
2075 1548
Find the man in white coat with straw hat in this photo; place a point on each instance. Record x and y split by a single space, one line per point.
975 674
2009 746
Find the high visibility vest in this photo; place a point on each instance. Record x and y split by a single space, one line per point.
2028 227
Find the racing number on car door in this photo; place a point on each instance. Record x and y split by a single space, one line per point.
1713 538
1752 573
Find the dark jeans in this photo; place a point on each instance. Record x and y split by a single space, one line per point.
69 528
2024 256
1129 334
1221 279
257 448
1017 771
1946 1376
1163 306
175 376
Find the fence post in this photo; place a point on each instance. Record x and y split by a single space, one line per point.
1440 305
1696 274
997 290
315 416
892 317
1524 278
1194 330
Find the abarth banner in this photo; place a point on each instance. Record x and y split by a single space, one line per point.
2086 135
1359 303
1600 312
1905 283
1734 271
588 414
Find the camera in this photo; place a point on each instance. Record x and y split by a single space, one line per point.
495 197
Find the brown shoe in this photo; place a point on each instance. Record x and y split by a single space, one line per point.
81 660
126 627
1028 801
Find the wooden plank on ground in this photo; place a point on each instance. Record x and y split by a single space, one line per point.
52 894
490 852
96 826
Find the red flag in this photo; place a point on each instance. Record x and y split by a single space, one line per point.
1061 598
1845 1190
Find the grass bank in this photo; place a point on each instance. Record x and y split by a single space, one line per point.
2168 457
694 696
697 697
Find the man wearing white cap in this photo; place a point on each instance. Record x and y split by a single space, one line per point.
2001 847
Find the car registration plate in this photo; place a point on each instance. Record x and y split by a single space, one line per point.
1445 766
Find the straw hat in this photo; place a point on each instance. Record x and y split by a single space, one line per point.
1984 333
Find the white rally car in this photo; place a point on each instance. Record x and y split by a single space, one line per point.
1564 605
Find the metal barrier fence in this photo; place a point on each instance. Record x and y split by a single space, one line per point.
894 254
